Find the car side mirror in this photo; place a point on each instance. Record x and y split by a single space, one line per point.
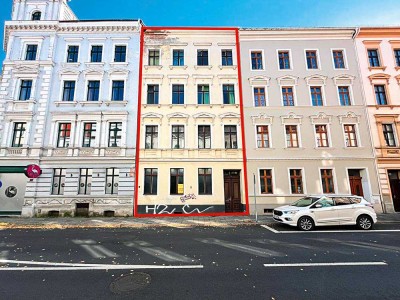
318 205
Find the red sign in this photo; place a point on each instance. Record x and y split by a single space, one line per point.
33 171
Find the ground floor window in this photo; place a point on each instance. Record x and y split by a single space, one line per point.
327 181
296 181
205 181
150 181
112 181
266 181
176 182
58 181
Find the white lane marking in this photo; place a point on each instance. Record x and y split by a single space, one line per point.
96 251
158 252
373 263
344 231
270 229
369 246
242 248
3 255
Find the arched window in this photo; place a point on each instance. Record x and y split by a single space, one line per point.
36 16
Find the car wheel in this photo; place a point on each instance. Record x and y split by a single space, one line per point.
365 222
305 224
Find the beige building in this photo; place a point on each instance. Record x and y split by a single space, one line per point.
379 59
190 158
305 117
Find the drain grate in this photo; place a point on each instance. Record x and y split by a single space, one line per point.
130 283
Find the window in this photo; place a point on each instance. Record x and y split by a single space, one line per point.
151 138
150 181
118 90
397 57
114 134
388 134
284 60
228 91
25 90
64 135
154 57
338 59
344 95
152 93
321 132
292 138
178 137
316 96
203 94
227 57
287 96
311 57
68 91
296 181
36 16
266 181
18 134
380 95
178 94
327 181
204 136
176 182
256 60
72 54
112 181
178 58
262 136
85 181
230 133
89 134
93 92
120 54
96 54
58 181
205 181
202 57
259 96
31 52
373 58
350 135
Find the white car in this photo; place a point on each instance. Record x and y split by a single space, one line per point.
327 210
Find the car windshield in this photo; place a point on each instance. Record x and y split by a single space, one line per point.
303 202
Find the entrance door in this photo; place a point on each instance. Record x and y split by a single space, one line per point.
356 183
232 191
394 180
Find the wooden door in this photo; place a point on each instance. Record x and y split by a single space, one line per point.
233 201
356 185
395 189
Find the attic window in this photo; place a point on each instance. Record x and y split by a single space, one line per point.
36 16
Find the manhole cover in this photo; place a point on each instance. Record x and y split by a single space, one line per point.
130 282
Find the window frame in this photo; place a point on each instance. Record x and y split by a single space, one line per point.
203 94
114 180
328 137
91 51
69 93
350 93
378 57
149 57
303 180
253 87
297 134
115 53
87 90
197 57
21 134
263 67
30 88
268 134
318 61
36 52
60 187
112 81
198 182
293 95
173 57
67 53
272 181
91 131
396 54
322 90
223 93
226 57
34 15
198 137
179 133
358 142
385 91
183 180
115 132
345 67
152 193
180 93
394 135
154 93
288 51
334 185
230 135
59 131
156 146
87 185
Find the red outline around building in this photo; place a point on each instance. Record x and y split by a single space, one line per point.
138 133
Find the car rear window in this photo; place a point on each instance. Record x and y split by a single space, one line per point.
303 202
342 201
355 200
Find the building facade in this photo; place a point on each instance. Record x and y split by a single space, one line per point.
379 59
305 117
68 103
190 133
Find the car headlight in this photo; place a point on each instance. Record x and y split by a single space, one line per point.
292 212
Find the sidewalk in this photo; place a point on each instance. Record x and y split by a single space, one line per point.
130 222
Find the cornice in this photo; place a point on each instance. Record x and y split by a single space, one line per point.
296 33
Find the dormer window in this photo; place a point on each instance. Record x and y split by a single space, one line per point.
36 16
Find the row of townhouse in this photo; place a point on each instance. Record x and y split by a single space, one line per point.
127 119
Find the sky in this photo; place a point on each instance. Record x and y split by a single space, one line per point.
242 13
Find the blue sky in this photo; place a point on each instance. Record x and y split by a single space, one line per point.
244 13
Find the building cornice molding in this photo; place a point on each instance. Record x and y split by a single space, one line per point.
296 33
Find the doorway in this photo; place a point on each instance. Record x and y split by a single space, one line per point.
232 192
394 181
356 186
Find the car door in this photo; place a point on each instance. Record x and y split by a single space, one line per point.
326 214
345 209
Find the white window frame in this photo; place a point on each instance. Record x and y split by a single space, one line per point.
290 59
318 59
357 135
322 92
171 166
258 181
112 79
90 52
335 186
66 53
184 135
263 60
85 99
346 64
253 95
350 94
126 54
269 135
197 180
211 136
294 94
303 179
328 133
158 181
158 137
298 135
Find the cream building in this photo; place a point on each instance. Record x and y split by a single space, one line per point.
190 158
379 58
305 117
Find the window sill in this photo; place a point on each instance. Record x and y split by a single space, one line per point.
229 105
178 67
233 67
324 148
353 148
146 67
94 64
65 103
91 103
71 65
203 67
123 63
152 105
381 68
266 148
294 148
116 103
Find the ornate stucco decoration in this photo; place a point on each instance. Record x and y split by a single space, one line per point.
291 118
177 117
344 79
379 77
321 118
350 117
203 79
229 117
316 79
203 116
259 80
262 118
287 80
152 116
178 79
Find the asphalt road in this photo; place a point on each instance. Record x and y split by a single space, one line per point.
199 263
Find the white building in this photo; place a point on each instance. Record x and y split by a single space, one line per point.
68 99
